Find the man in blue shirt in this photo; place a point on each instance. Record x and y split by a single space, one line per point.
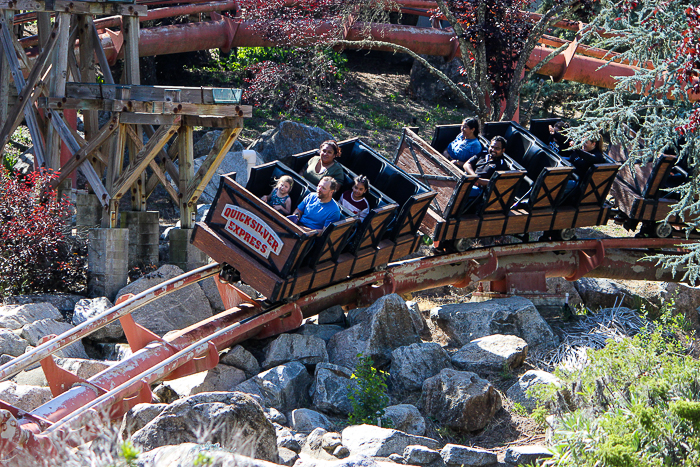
319 209
466 144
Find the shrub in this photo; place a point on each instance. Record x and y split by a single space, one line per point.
369 397
35 255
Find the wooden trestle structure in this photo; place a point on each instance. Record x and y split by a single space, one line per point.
63 79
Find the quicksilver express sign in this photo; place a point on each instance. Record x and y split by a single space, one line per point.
252 231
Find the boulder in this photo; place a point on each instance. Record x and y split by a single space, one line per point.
284 387
138 416
233 420
332 385
517 393
287 139
11 343
16 316
287 456
373 441
308 350
526 455
242 359
491 354
82 368
307 420
418 320
333 315
62 302
88 308
425 87
419 455
275 416
174 311
606 293
187 454
516 316
287 439
233 162
454 454
560 286
24 397
219 378
381 328
313 446
33 332
322 331
413 364
460 400
406 418
210 290
205 143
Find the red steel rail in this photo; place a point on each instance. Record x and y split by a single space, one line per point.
113 391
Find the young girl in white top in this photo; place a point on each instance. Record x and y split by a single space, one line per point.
279 198
354 199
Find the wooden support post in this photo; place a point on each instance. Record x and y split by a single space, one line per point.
57 87
186 150
211 163
5 75
133 76
115 165
88 74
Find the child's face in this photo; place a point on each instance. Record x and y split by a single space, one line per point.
283 188
358 191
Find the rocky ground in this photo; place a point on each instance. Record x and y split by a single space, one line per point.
457 372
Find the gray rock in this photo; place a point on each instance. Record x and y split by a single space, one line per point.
406 418
306 421
189 454
370 440
313 446
285 387
11 343
396 458
413 364
460 400
219 378
242 359
322 331
289 138
286 439
560 286
287 456
491 354
33 332
88 308
138 416
233 420
274 415
332 385
418 320
63 302
381 328
114 352
354 461
205 143
84 369
333 315
604 293
515 316
420 455
24 397
165 393
426 88
518 391
295 347
16 316
526 455
233 162
210 290
174 311
454 454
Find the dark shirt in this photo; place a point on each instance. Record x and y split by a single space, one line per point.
486 165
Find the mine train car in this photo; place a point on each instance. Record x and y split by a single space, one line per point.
640 191
281 259
541 192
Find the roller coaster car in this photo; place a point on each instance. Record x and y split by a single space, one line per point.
281 259
538 204
640 193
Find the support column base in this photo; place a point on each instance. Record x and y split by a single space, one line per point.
182 253
144 236
88 209
107 261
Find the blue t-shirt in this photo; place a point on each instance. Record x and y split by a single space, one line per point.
463 149
317 215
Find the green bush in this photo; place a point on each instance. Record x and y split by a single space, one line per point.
369 397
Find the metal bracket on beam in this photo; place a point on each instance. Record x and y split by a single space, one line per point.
290 319
587 263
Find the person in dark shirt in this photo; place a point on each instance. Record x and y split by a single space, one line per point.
486 165
594 147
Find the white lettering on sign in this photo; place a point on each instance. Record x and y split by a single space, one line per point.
252 231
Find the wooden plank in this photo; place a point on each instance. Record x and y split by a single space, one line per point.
212 122
147 119
25 91
151 107
212 162
101 57
57 86
164 155
147 93
81 155
99 8
5 76
186 166
139 163
114 168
